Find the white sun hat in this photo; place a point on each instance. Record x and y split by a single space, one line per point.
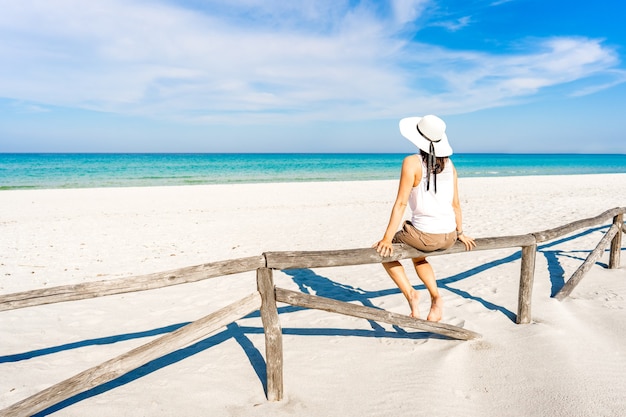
427 133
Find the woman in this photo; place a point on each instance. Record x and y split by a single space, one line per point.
428 184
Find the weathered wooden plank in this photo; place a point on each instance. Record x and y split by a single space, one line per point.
345 257
130 284
527 274
369 313
273 334
129 361
616 243
582 270
579 224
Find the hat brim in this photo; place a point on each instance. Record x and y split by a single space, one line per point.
408 129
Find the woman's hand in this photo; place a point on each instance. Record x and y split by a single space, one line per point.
467 241
384 248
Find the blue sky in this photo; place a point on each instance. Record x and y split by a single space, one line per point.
310 76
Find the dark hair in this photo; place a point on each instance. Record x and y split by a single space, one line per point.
440 163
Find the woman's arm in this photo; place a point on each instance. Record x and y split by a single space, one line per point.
458 215
411 174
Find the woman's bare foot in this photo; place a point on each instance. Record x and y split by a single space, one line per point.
413 303
436 309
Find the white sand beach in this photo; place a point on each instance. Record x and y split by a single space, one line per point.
568 362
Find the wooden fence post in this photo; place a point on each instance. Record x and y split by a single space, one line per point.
273 334
527 276
616 243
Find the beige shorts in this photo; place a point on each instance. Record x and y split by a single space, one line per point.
426 242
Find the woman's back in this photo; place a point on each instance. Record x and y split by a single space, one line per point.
431 205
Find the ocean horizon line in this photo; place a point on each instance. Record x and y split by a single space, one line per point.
295 153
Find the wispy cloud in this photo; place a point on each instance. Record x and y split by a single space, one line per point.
500 2
609 79
267 60
406 11
454 25
21 107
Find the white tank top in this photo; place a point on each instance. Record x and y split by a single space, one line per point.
433 212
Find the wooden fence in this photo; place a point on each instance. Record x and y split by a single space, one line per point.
267 295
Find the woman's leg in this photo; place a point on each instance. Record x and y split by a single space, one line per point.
427 275
398 275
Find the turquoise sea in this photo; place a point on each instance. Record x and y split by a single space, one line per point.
40 171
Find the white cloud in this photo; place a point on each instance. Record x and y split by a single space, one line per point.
500 2
454 25
609 79
469 81
310 60
406 11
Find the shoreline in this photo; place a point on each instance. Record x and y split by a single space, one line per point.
60 237
303 181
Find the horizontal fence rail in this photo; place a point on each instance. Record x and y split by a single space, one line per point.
557 232
267 295
349 257
131 284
